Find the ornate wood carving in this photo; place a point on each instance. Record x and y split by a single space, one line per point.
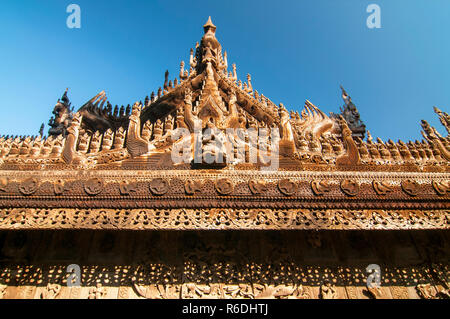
193 186
410 187
93 186
224 186
257 187
29 186
441 187
159 186
350 187
287 187
382 188
222 219
320 187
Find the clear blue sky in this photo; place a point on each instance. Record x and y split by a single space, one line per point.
294 50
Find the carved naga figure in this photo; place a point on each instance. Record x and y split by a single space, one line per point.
312 120
434 138
444 118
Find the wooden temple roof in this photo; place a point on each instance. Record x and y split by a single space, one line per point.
101 168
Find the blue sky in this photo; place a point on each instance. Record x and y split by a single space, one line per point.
294 50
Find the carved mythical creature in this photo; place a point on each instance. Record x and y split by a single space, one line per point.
444 118
136 145
434 138
70 155
383 187
351 157
63 117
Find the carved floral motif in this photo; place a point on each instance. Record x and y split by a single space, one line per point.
222 219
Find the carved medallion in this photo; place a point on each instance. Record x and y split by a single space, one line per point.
224 186
29 186
126 187
320 187
287 187
257 187
382 188
93 186
441 188
410 187
192 186
159 186
350 187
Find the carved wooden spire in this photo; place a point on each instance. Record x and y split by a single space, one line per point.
209 26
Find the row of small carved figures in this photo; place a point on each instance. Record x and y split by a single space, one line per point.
423 151
224 186
329 147
223 291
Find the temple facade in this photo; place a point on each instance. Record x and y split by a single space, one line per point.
208 189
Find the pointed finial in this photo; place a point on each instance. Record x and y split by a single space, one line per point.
41 130
166 79
64 98
209 25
